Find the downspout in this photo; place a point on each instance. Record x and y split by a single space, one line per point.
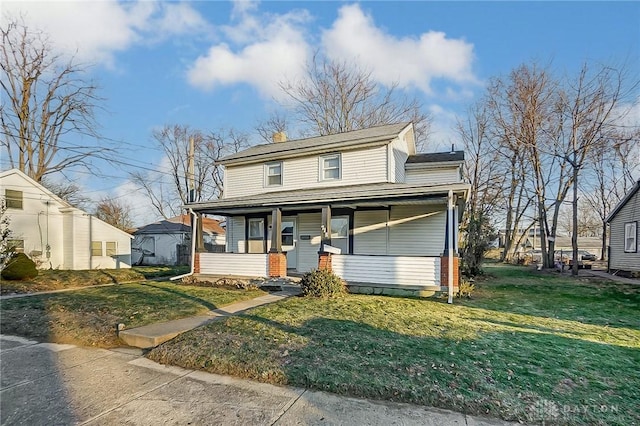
450 244
193 248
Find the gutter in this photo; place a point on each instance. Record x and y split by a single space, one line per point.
193 247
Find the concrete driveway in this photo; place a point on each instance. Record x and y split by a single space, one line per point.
51 384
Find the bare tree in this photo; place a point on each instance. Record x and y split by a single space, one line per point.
610 175
589 112
169 189
338 97
276 123
486 178
69 192
45 98
115 212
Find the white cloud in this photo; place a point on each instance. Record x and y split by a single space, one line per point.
266 50
95 30
408 61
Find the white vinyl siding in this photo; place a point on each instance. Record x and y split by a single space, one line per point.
630 212
236 234
232 264
308 225
370 232
398 155
432 176
417 230
357 167
396 271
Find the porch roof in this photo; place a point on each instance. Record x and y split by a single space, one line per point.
368 195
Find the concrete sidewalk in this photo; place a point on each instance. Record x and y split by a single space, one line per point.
150 336
45 384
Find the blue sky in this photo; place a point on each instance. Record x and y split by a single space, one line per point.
214 65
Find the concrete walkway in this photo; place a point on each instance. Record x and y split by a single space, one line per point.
150 336
47 384
606 275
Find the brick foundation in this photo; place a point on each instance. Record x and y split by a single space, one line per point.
196 263
277 265
444 272
324 261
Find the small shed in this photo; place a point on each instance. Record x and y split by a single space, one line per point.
168 242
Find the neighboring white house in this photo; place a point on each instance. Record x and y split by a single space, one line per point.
624 219
168 242
362 204
57 235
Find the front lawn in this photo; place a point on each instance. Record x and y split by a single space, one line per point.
529 346
89 316
56 279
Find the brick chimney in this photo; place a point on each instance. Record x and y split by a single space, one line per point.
279 137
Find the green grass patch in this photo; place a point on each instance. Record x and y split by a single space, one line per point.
89 316
529 346
55 279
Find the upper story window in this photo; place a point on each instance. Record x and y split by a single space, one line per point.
13 199
330 167
273 174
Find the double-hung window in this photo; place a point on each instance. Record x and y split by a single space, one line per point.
96 248
273 174
631 237
330 167
13 199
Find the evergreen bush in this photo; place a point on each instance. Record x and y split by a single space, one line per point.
322 283
19 268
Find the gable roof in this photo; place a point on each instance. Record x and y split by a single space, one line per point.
624 201
65 206
379 135
36 185
180 224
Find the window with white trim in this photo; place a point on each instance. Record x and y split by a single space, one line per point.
330 167
273 174
631 237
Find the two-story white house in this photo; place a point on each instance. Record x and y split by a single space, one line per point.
57 235
361 203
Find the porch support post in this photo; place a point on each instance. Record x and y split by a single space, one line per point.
199 234
324 258
449 261
277 259
326 227
276 231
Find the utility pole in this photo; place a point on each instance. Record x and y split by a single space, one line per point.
191 172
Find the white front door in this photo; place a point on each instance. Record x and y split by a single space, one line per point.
289 241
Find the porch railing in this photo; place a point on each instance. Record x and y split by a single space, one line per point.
239 264
388 270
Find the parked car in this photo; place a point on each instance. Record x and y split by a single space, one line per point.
585 255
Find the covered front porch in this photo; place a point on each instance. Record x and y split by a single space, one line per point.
395 239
